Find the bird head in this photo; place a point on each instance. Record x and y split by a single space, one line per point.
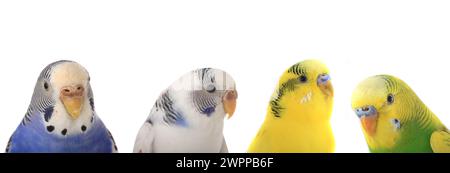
383 104
208 91
63 84
304 87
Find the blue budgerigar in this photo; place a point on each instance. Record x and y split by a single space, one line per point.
61 116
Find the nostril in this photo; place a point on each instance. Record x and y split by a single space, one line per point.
72 90
359 112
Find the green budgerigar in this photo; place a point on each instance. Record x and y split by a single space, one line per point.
395 120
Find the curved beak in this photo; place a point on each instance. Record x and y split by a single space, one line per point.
368 116
324 83
229 102
73 98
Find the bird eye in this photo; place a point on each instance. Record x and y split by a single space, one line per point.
46 86
303 79
89 78
390 99
210 88
396 121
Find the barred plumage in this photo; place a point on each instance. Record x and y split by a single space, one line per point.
204 101
275 106
40 101
297 69
202 73
165 104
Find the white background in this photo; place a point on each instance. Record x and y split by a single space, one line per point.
135 49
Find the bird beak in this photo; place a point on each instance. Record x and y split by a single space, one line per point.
229 102
368 117
324 83
73 98
369 124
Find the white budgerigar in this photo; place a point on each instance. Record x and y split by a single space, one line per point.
188 117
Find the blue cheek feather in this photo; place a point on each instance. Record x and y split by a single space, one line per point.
209 110
181 122
48 113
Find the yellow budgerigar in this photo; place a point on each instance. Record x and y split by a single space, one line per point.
299 112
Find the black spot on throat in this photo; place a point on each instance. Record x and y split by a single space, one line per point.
64 132
50 128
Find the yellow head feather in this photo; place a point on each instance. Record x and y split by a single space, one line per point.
394 104
301 96
299 112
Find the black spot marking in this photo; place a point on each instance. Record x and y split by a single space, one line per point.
50 128
64 132
83 128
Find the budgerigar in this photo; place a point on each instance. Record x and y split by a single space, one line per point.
299 112
61 115
188 117
394 119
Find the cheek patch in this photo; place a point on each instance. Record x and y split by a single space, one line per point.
208 111
306 98
396 123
